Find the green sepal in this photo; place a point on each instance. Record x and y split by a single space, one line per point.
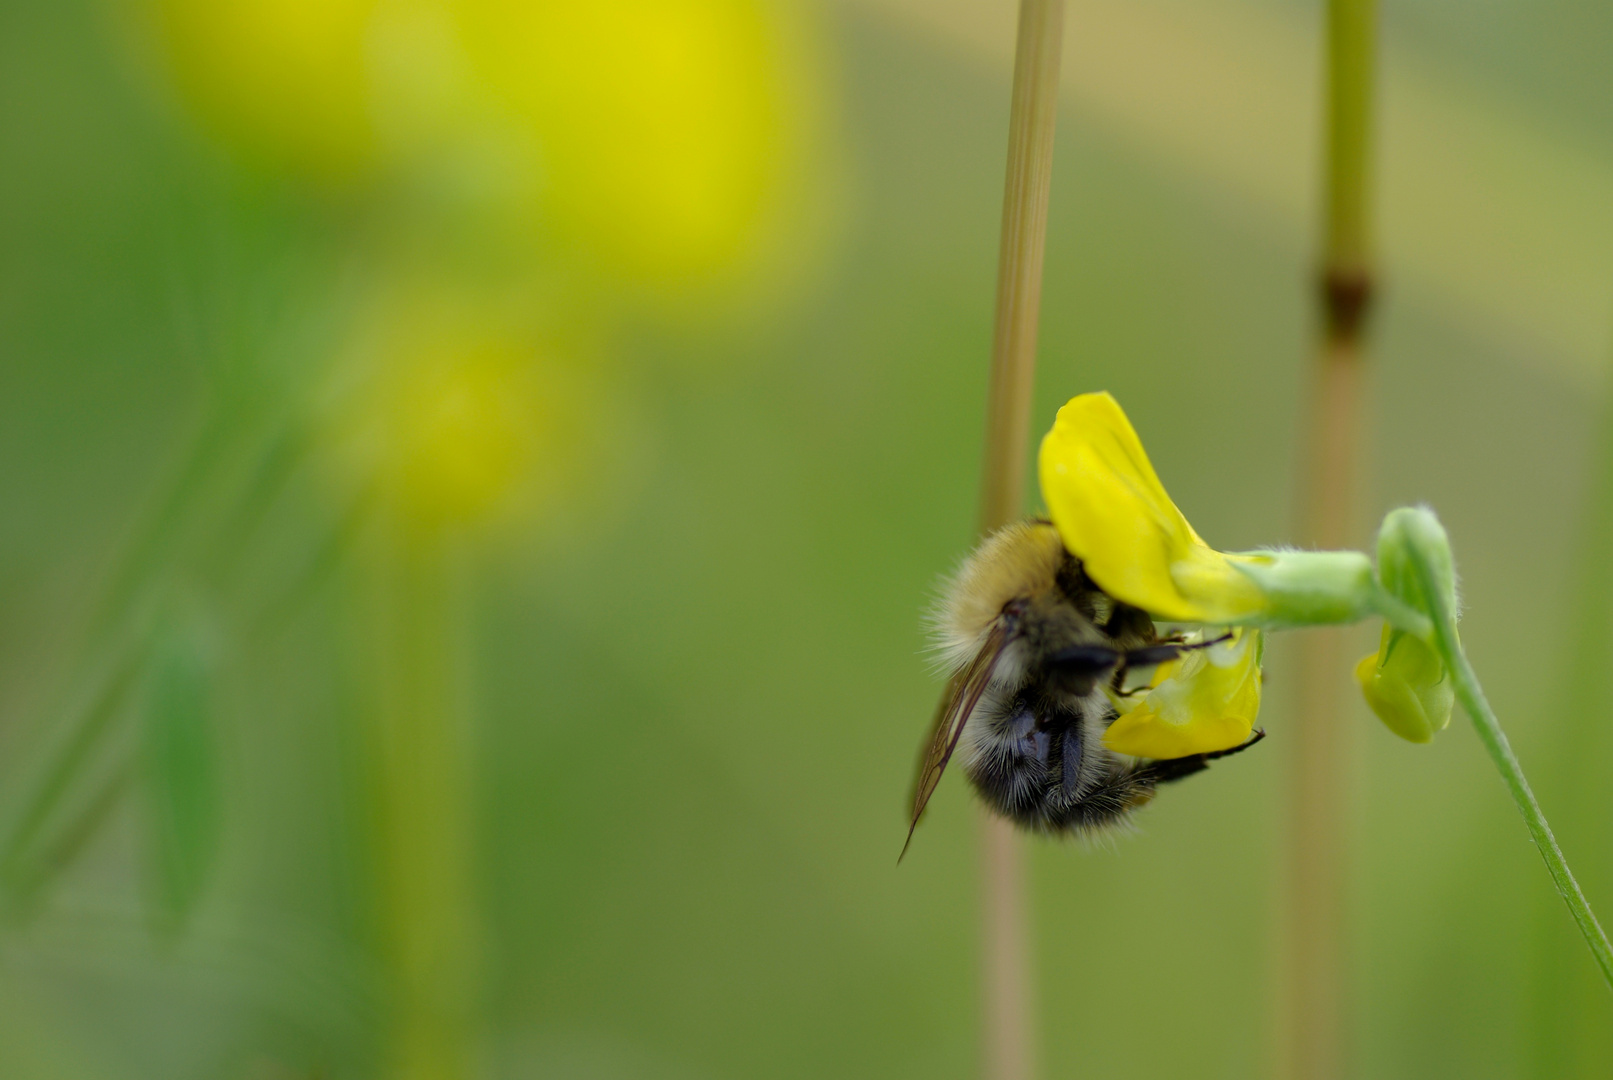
1311 588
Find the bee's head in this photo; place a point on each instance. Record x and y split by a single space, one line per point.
1023 579
1057 644
1008 569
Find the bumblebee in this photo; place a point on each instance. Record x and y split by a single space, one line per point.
1037 653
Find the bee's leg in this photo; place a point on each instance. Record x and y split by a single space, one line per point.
1168 649
1076 669
1259 733
1173 769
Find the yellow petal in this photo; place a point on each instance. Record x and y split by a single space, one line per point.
1204 702
1114 515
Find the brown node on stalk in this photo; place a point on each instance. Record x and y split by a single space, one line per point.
1346 296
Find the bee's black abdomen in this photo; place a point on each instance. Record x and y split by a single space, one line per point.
1106 804
1070 766
1037 801
1033 766
1017 763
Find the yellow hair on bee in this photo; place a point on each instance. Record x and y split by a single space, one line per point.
1021 559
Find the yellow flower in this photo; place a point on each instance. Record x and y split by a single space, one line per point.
1204 701
674 145
672 132
1114 515
458 413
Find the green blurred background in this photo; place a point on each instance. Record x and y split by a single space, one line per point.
472 474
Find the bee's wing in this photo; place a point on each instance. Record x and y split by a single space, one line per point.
962 694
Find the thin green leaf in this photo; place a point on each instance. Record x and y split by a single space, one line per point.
180 770
56 810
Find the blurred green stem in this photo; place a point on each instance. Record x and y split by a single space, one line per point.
1471 695
1314 1000
1569 1033
1009 1042
422 816
1351 29
1032 116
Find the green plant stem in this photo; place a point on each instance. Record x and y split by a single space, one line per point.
422 812
1351 28
1009 1041
1031 118
1471 695
1312 1037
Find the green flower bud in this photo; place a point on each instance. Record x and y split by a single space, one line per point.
1405 681
1415 529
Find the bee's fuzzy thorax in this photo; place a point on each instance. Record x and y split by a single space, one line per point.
1021 559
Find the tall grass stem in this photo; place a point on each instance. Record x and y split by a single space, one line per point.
1312 1041
422 808
1019 262
1009 1038
1352 27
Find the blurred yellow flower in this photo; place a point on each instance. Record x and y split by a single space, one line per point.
462 425
669 142
1204 701
1114 515
457 416
668 129
285 79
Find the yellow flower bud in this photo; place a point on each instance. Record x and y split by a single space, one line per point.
1405 681
1407 687
1204 701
